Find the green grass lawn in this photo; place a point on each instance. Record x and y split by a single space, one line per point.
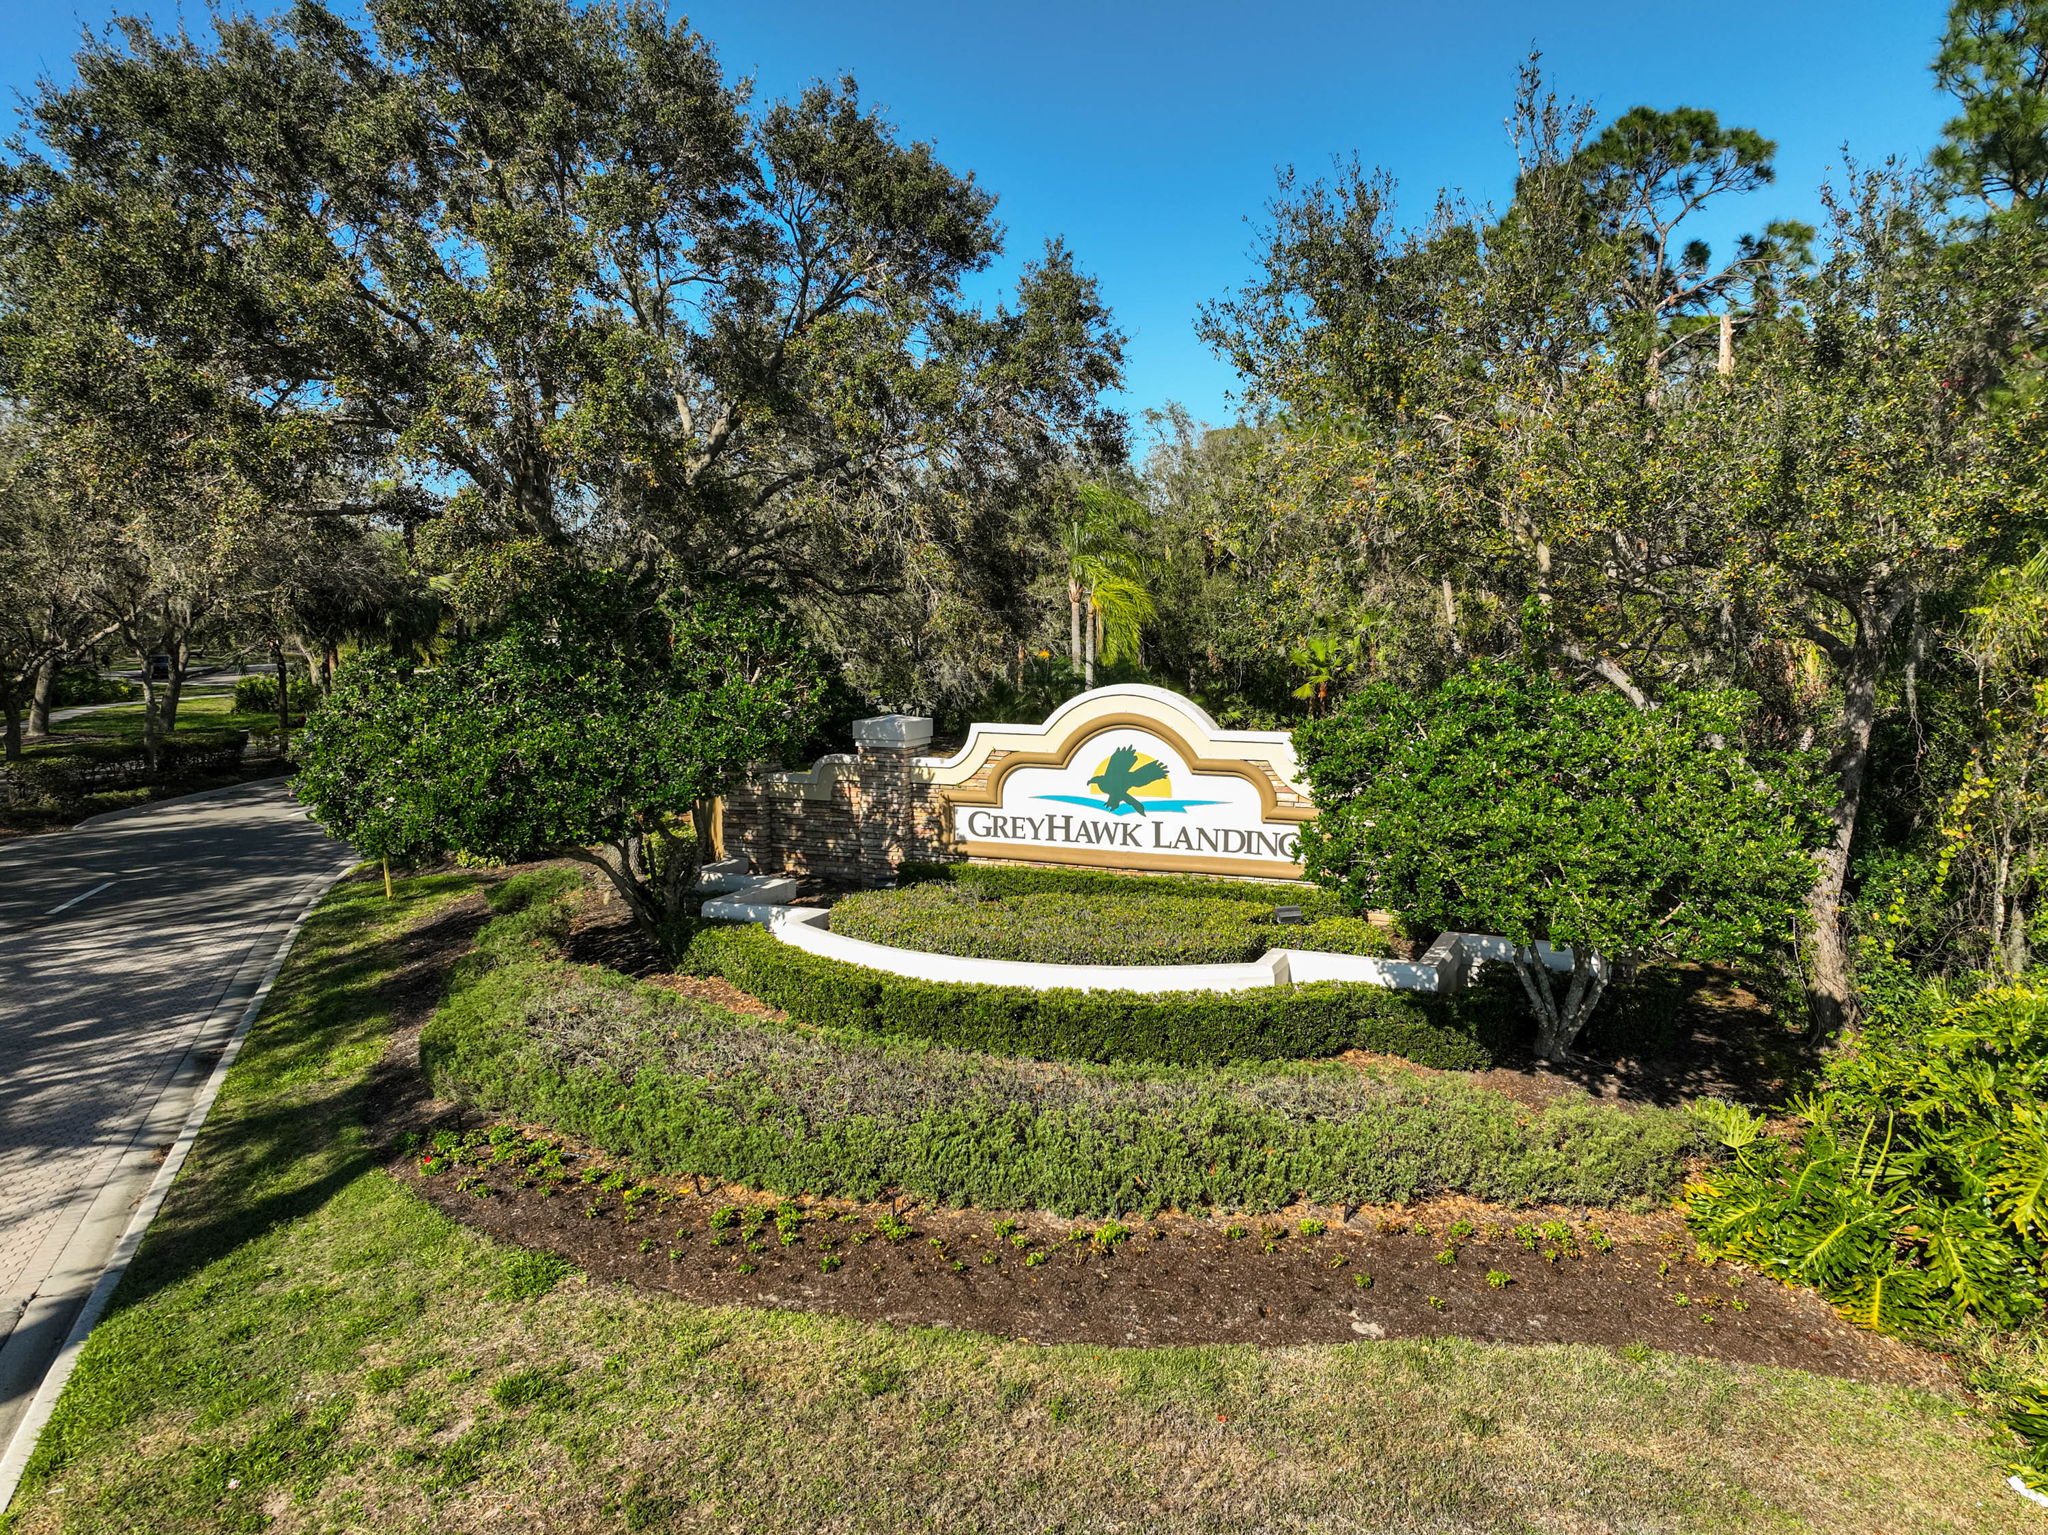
202 711
303 1345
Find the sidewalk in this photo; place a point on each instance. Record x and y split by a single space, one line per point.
126 950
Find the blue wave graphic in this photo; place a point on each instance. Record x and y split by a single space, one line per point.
1150 804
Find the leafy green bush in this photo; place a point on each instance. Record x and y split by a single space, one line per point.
258 695
1458 1032
1508 800
59 778
173 750
1916 1198
1096 927
680 1087
76 685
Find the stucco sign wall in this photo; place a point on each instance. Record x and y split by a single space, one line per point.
1119 778
1126 777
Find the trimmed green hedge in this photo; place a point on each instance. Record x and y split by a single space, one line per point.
173 750
258 695
77 685
1112 927
683 1088
993 881
1461 1032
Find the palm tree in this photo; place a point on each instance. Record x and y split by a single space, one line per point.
1107 603
1329 659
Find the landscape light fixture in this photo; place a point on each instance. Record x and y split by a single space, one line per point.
1289 916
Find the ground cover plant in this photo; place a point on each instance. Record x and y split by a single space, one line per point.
1916 1192
1459 1031
683 1087
1122 926
1308 1275
304 1345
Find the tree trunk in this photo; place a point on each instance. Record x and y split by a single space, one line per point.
284 700
152 721
174 686
2018 952
1451 619
10 705
39 701
1558 1021
1074 622
707 820
1088 643
2001 869
1830 996
615 863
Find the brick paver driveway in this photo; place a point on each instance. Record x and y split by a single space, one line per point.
125 951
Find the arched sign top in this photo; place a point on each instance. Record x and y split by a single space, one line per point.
1129 777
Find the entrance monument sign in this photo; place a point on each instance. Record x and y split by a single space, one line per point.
1127 777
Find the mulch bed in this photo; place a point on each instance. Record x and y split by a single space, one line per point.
1179 1279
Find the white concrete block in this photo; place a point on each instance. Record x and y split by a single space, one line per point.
897 732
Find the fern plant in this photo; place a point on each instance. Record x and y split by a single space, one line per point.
1916 1198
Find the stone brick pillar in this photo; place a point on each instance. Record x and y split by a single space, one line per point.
885 798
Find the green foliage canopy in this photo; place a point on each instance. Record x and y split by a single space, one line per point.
1508 801
586 728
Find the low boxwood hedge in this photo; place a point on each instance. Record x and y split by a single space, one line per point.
1461 1031
995 880
680 1088
1093 927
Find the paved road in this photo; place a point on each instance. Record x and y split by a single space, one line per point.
126 950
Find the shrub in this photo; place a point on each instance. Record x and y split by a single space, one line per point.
62 775
258 695
680 1087
1458 1032
1507 800
76 685
996 881
1109 927
1918 1191
1916 1197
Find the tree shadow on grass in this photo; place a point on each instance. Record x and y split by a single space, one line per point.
289 1133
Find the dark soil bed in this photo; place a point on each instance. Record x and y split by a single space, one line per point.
1174 1280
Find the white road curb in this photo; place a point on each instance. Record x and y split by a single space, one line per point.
30 1429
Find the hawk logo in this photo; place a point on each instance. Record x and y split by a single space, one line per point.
1129 781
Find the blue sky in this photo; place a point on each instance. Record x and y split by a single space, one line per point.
1146 133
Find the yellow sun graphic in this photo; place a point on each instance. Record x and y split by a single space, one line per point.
1127 775
1156 790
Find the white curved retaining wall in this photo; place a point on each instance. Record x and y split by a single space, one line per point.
1446 966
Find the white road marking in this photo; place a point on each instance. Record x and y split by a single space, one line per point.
96 889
